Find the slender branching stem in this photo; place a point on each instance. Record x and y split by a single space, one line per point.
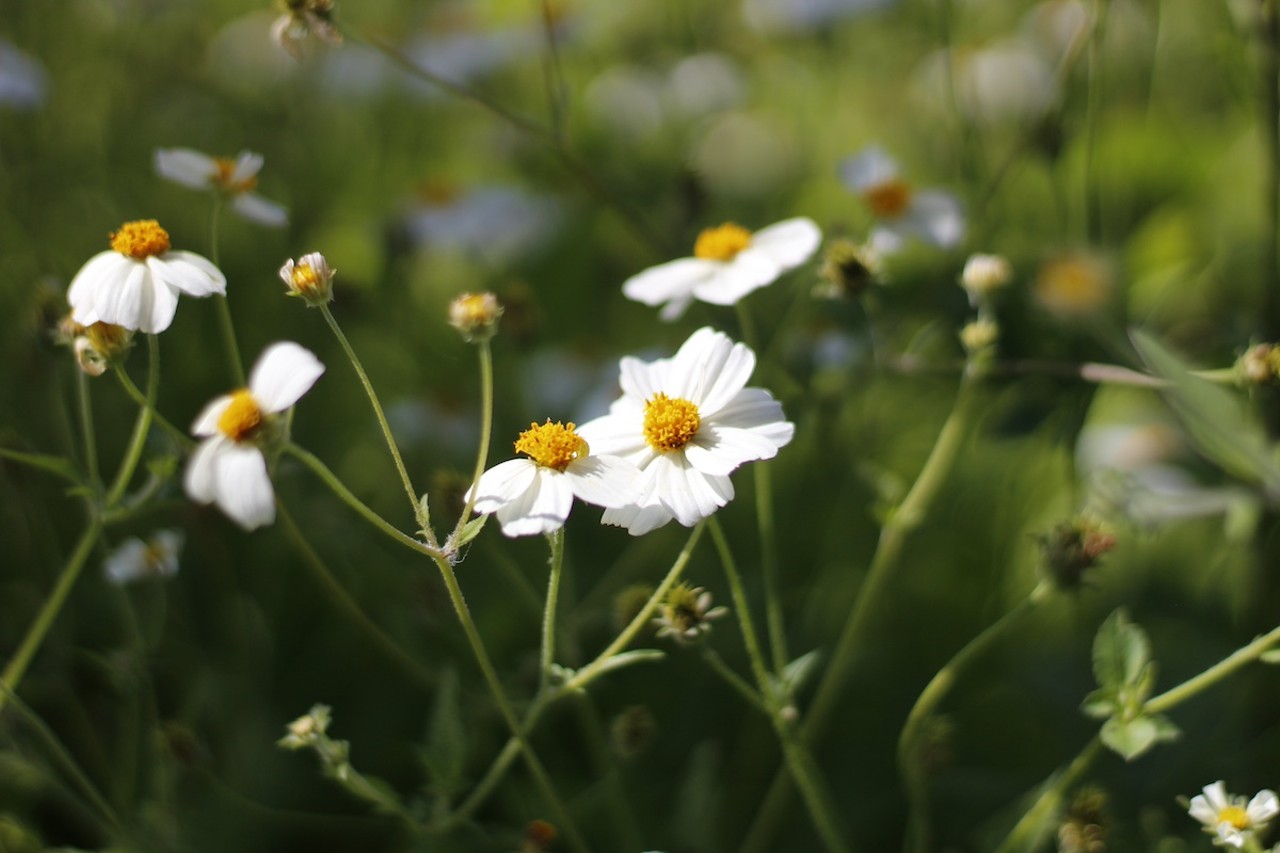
485 354
84 401
419 511
160 420
556 541
226 324
141 427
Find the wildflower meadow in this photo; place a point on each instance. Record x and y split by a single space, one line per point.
567 425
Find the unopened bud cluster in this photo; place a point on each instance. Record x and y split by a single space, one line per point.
1260 365
848 270
95 346
475 315
686 614
1074 547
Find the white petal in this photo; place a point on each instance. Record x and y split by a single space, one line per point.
284 372
206 423
163 305
504 483
869 167
887 238
728 379
636 519
98 276
1202 811
675 309
128 302
606 481
542 508
756 410
243 489
1263 806
248 164
614 435
201 479
186 166
751 270
720 450
257 209
192 274
672 280
641 380
681 489
694 364
790 243
937 217
127 562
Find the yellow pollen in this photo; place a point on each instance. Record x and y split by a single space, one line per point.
670 422
241 417
552 445
721 243
1235 816
888 200
305 278
141 239
222 179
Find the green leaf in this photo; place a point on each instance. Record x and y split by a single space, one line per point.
1120 653
1216 418
1100 704
1131 738
53 464
796 673
470 530
1271 656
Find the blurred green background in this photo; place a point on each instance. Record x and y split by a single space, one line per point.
1135 142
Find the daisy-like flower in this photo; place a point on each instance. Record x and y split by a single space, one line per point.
534 495
135 559
686 614
728 263
235 179
901 211
1232 820
136 284
229 468
687 422
310 278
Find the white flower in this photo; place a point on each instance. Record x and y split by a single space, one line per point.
728 263
136 559
236 179
23 82
687 422
228 468
1229 818
534 495
136 284
984 274
901 211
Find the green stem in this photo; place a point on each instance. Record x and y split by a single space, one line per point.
339 488
35 635
141 428
138 397
486 432
799 763
556 540
579 680
909 514
543 781
939 686
226 325
737 682
1227 666
349 608
85 401
420 514
1050 800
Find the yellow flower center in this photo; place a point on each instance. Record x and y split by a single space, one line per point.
139 240
1236 816
305 278
721 243
241 417
552 445
223 178
670 422
888 200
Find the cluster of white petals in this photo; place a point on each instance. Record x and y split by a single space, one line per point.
234 178
229 468
135 559
727 272
901 211
687 422
1232 820
136 283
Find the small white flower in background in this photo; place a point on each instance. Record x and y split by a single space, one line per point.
799 16
490 223
687 422
983 275
229 468
1233 820
236 179
136 284
901 211
23 82
135 559
728 263
535 495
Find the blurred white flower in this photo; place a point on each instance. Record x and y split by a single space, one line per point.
901 211
687 422
493 224
229 468
136 284
798 16
23 82
1232 820
235 179
1008 80
534 495
728 263
135 559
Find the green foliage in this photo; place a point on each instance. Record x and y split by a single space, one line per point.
1126 676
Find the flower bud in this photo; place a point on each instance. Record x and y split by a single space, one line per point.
1074 547
979 335
848 270
1260 365
310 278
983 275
475 315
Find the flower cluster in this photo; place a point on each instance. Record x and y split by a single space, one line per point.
1234 821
